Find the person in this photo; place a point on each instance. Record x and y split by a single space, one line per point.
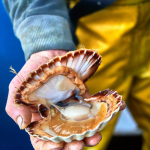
118 31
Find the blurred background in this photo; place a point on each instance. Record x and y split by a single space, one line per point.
127 135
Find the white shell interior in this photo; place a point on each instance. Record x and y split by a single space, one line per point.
56 89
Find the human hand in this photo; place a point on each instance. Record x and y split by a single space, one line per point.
23 115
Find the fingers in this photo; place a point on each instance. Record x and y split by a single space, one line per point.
45 145
79 145
94 140
122 106
52 146
74 145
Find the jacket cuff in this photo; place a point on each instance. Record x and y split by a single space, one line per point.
44 32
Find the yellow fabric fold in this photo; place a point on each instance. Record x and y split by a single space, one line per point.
121 33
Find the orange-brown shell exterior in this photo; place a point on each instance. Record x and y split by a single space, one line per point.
63 65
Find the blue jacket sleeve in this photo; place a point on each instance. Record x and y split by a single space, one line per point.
40 24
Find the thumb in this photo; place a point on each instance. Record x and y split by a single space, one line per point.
20 113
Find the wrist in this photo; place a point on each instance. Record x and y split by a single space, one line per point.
48 54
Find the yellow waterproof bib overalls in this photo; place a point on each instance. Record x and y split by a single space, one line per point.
121 33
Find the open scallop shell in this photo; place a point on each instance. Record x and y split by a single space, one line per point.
57 89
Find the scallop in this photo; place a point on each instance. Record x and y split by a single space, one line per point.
57 89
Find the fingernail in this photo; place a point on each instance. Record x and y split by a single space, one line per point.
19 121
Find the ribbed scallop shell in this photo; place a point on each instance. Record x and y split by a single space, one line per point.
74 68
78 66
110 97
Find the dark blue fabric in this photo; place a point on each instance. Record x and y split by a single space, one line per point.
11 137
